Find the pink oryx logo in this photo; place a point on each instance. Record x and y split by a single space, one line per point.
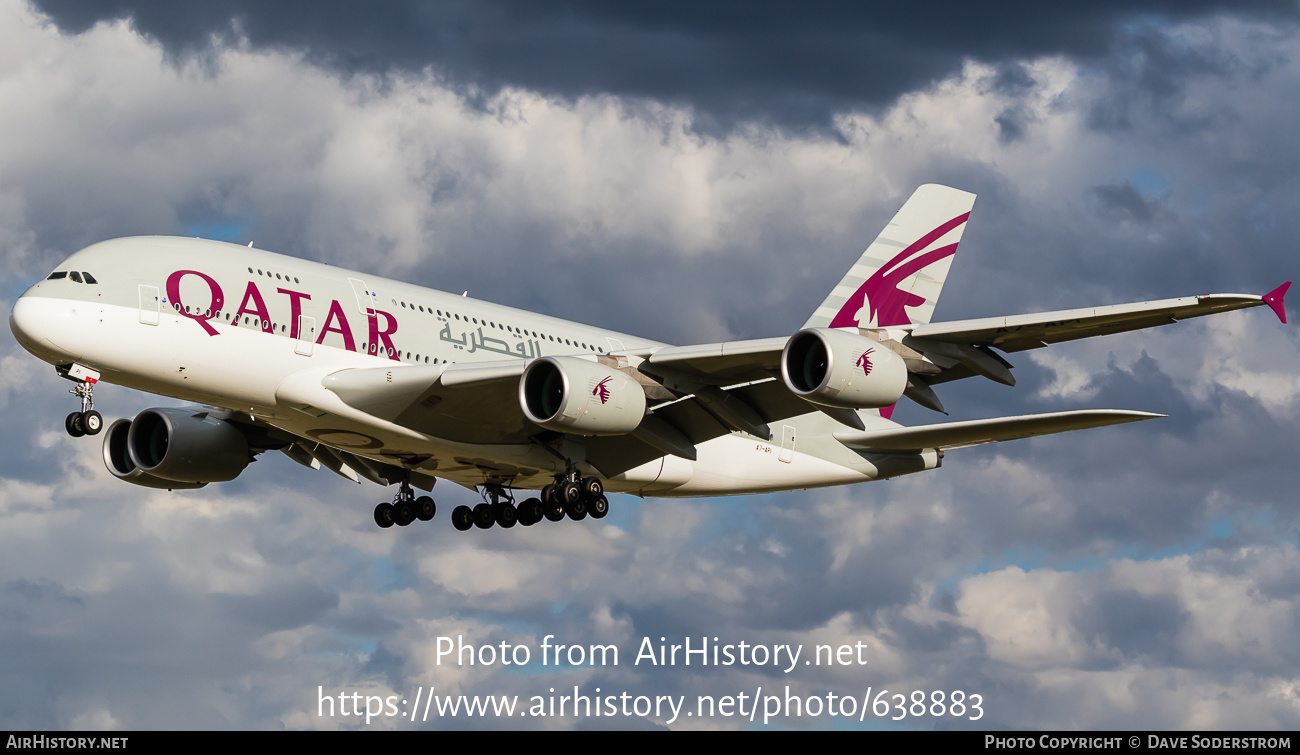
864 362
879 302
602 390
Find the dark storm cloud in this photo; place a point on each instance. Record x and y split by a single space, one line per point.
783 63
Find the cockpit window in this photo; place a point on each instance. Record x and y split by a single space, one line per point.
58 275
75 276
90 278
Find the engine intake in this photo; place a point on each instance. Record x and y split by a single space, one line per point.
179 445
841 369
118 460
572 395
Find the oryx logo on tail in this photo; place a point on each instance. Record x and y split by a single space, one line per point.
880 300
602 390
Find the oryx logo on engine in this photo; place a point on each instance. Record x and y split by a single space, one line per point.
864 362
601 390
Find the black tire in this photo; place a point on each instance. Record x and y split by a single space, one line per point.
592 489
425 508
530 512
404 513
553 510
548 493
462 518
577 510
483 516
507 515
384 515
73 425
92 422
599 507
570 493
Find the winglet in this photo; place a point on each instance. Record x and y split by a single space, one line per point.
1274 299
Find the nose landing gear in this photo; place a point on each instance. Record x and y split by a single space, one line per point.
87 421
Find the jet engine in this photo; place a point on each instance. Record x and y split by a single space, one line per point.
841 369
118 461
572 395
175 449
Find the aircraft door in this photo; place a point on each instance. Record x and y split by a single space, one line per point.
787 444
149 304
367 302
306 335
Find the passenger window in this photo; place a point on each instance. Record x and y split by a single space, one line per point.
75 276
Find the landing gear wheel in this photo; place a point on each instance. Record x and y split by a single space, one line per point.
577 510
74 426
483 517
570 493
384 515
530 512
592 489
507 515
552 509
92 422
548 492
462 518
425 508
404 513
599 507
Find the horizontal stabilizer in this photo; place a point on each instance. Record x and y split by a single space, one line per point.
975 432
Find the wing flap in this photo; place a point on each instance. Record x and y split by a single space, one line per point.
947 435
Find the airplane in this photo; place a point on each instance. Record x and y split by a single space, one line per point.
401 385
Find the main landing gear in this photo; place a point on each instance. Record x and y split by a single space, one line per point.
569 496
87 421
405 508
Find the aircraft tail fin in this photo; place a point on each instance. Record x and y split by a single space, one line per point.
897 280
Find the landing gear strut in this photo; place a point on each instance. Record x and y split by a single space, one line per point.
570 495
87 421
498 507
405 508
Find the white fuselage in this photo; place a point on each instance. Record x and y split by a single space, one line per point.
256 333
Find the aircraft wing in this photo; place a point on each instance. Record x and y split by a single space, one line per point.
1020 332
725 363
732 386
475 402
975 432
704 391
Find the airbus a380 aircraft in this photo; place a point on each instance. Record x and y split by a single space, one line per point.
402 385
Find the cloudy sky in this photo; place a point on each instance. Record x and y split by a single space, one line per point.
691 174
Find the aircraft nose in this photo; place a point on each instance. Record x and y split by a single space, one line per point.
20 320
25 322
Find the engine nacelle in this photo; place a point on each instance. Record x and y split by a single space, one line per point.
180 445
118 461
572 395
841 369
